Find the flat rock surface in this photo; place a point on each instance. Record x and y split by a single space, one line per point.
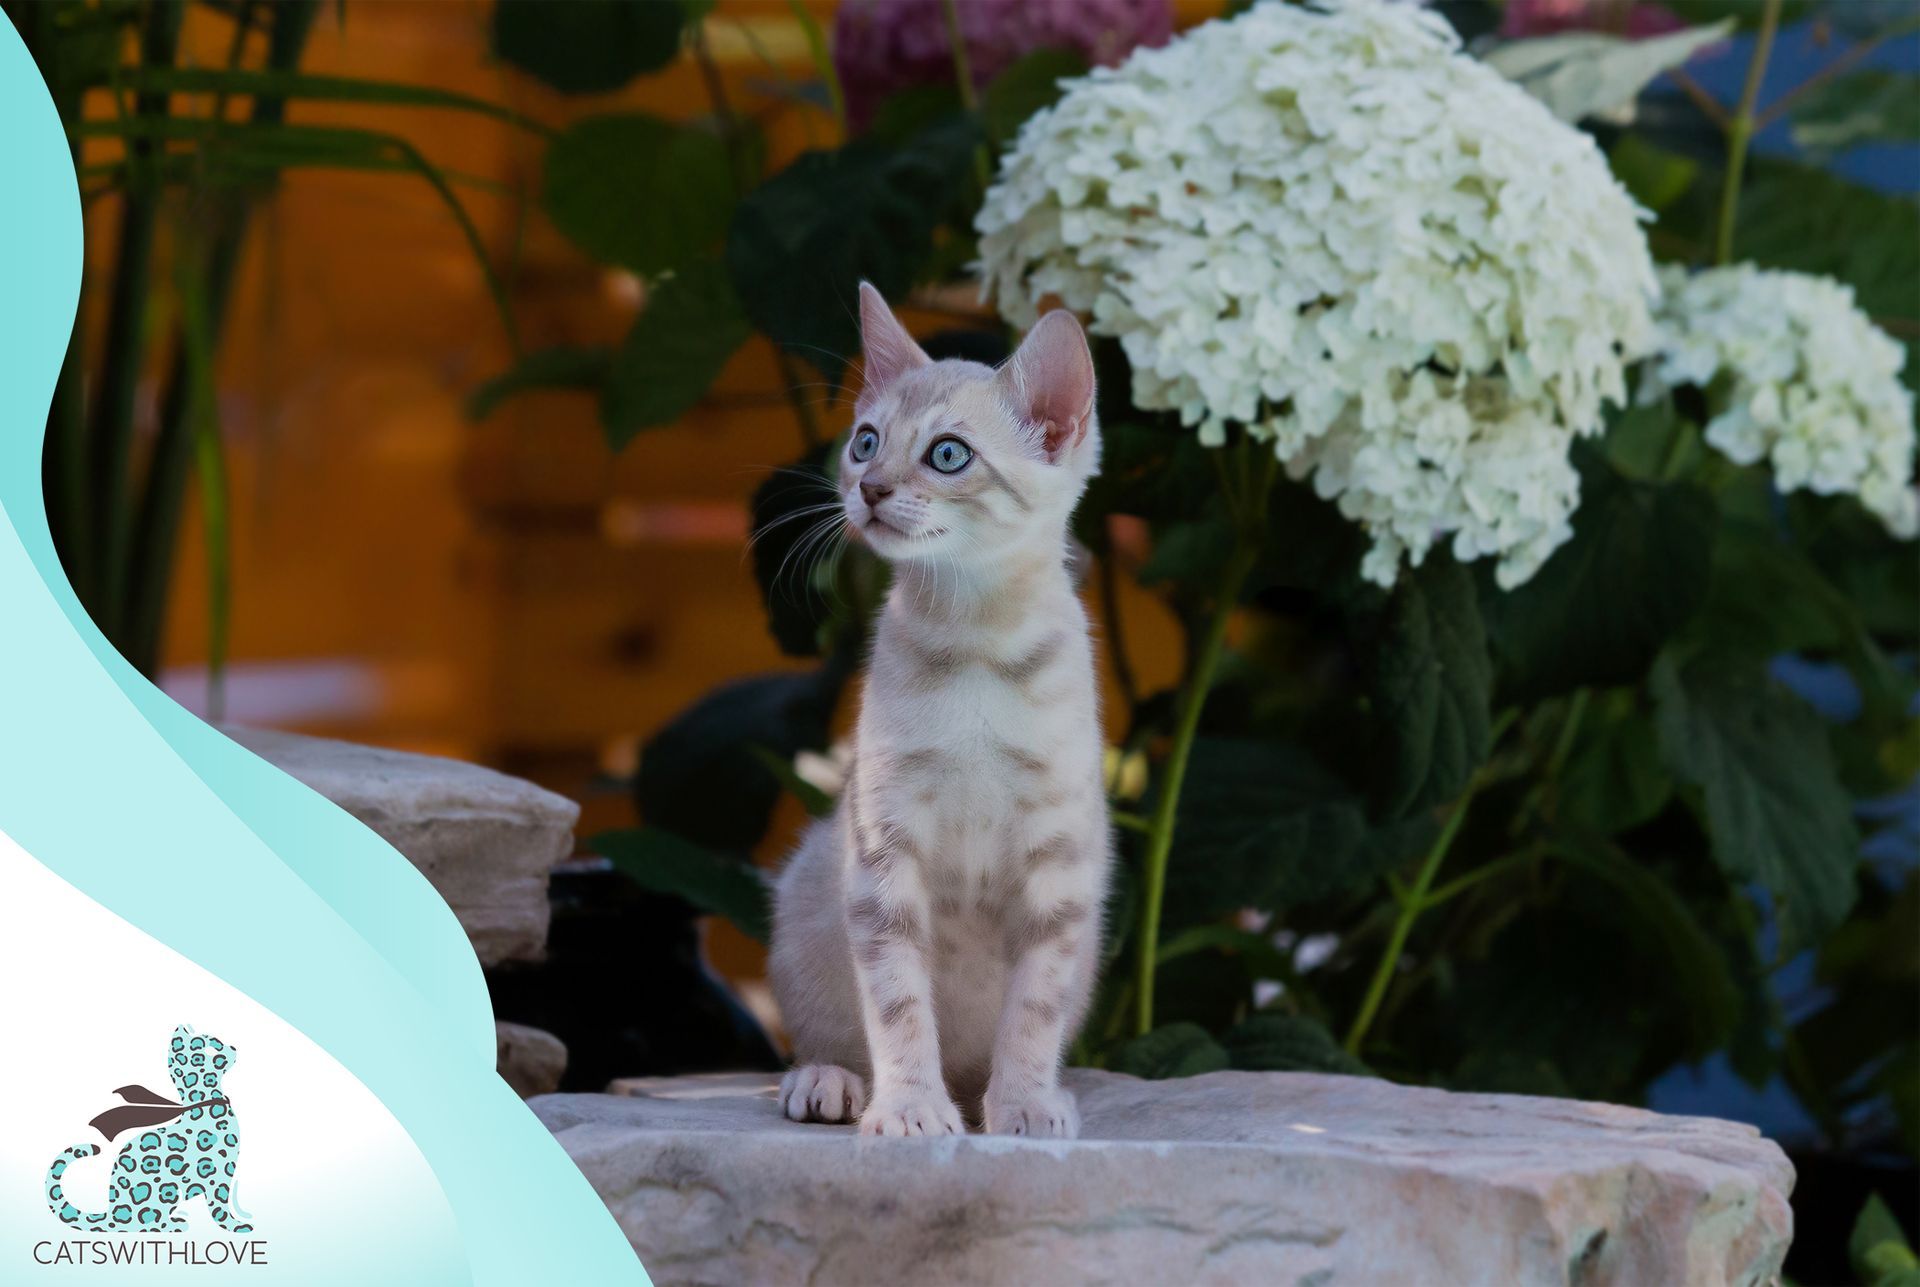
485 840
1233 1177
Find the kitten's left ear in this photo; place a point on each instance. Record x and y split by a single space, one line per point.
1049 381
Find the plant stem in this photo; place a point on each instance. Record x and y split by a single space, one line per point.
110 431
1193 697
1709 106
963 78
1740 132
1251 526
158 522
1461 884
790 381
1416 902
962 68
1569 729
1839 66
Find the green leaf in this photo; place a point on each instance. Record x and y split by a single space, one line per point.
796 513
1657 914
1767 597
587 46
1745 13
1582 74
304 85
1566 995
1260 824
1176 1050
268 148
702 776
802 240
822 61
1432 682
717 885
1868 106
1613 781
638 191
1146 470
1271 1042
1030 84
1878 1246
690 326
1185 551
1655 176
905 113
1866 18
1772 801
1798 217
561 367
816 802
1637 568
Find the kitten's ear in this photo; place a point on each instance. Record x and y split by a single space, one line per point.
889 351
1049 381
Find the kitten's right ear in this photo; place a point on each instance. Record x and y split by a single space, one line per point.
889 351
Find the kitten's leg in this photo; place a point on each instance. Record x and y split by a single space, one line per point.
887 919
822 1093
1052 948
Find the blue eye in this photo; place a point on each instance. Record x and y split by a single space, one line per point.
865 443
949 455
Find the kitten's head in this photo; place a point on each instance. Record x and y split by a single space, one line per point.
961 462
198 1063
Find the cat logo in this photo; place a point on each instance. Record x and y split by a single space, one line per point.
177 1149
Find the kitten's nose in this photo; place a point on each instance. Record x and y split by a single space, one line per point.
874 493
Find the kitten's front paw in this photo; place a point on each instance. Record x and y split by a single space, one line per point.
822 1093
1048 1114
911 1112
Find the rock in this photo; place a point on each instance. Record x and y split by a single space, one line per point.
1234 1177
529 1060
484 839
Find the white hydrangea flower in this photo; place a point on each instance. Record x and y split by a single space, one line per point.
1795 375
1333 228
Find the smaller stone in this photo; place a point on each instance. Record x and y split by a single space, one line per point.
529 1060
486 841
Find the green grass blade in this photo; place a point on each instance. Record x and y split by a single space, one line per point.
822 62
337 89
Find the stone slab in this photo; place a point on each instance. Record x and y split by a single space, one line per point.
485 840
530 1060
1233 1177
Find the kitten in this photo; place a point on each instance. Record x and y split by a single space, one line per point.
936 939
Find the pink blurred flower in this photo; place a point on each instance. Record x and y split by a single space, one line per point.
1634 19
883 46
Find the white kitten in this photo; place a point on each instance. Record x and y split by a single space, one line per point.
936 939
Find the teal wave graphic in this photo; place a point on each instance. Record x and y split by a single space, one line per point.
237 867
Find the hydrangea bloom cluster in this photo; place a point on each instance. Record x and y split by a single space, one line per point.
1796 375
1333 228
883 46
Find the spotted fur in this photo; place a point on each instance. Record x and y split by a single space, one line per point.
194 1156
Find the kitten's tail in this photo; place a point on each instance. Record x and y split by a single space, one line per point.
57 1203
